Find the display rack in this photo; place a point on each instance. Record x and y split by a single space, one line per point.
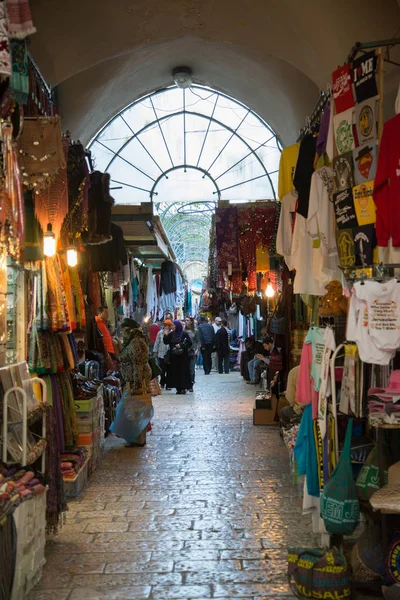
24 415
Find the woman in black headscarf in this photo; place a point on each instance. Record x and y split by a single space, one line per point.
178 374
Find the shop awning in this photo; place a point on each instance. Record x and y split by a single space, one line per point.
144 234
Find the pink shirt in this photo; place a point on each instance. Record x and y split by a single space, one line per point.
306 393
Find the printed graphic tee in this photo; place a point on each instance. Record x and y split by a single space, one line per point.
383 301
358 330
365 162
364 242
343 126
364 203
345 246
342 89
364 76
345 213
316 337
366 120
343 168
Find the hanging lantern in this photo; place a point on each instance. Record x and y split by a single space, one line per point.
72 256
49 242
269 292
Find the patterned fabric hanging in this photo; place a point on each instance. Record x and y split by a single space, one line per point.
19 19
5 57
264 223
227 237
247 245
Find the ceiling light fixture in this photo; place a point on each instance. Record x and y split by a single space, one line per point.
183 77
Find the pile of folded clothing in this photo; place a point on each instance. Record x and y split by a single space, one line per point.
384 403
72 462
16 486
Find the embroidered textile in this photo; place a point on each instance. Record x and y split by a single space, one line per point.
19 80
247 245
227 237
19 19
264 226
57 301
5 57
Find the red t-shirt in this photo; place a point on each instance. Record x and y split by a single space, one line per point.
387 185
153 330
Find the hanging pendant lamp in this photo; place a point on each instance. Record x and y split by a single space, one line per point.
49 242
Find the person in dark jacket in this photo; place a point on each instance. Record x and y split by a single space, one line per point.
207 343
178 373
222 346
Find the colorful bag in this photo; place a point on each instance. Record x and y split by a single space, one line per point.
318 573
340 508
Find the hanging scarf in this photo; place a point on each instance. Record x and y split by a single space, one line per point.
19 81
5 57
78 296
19 19
227 237
56 503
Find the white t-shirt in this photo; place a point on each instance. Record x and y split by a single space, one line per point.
383 300
284 234
358 331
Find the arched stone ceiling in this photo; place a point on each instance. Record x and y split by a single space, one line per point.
272 55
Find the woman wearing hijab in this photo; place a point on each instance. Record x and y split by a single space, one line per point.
179 342
132 417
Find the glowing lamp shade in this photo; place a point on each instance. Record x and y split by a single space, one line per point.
269 292
49 242
72 256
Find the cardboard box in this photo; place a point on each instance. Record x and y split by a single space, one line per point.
266 416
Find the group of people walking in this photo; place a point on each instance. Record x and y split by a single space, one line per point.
177 347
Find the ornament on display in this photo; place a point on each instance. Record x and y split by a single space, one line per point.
333 303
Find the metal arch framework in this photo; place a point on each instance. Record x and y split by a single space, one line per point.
185 167
159 120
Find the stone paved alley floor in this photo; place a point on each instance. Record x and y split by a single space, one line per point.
206 510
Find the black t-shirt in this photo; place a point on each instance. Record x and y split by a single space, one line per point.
304 171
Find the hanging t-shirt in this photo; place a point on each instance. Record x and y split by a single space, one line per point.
343 127
345 246
365 162
364 204
316 338
304 171
342 88
287 166
364 76
321 223
284 235
325 384
383 300
358 331
305 392
343 168
344 209
364 243
366 120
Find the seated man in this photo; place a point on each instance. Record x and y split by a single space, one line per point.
246 356
261 358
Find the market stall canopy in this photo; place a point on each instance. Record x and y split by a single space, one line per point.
144 233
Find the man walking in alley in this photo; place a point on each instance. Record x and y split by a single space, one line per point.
207 341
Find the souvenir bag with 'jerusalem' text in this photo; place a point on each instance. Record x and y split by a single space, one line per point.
321 574
340 508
